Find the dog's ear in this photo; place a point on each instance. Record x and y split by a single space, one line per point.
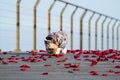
45 42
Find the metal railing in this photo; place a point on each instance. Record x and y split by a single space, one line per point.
85 11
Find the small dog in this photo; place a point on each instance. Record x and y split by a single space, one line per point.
55 42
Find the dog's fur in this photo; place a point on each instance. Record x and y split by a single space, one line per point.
55 42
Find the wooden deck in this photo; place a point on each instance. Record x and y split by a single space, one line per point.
24 66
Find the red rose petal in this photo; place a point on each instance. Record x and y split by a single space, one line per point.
5 62
86 56
94 72
33 60
42 51
68 65
118 72
75 65
111 71
118 66
47 65
68 51
58 55
25 66
1 58
23 69
104 74
63 60
39 60
5 53
13 61
72 65
44 73
77 56
73 51
34 53
76 69
94 62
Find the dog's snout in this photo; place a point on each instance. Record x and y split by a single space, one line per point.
50 50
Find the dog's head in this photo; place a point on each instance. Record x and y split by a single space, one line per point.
51 45
54 41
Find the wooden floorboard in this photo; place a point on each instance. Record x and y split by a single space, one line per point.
56 70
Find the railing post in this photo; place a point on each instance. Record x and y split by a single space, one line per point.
18 27
96 26
61 18
71 37
89 32
118 36
108 33
102 35
0 50
35 26
49 16
81 29
113 34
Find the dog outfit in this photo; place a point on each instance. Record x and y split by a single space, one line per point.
60 37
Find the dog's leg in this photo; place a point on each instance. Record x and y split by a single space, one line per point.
58 51
64 51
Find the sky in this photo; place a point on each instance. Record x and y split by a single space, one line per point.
8 22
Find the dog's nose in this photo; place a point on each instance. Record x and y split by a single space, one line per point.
51 49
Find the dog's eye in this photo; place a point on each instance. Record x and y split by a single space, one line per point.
54 42
48 38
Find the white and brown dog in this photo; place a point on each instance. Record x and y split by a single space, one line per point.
55 42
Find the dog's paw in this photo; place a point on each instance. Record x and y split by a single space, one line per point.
59 50
64 51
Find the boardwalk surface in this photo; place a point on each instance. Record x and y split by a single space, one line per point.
24 66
